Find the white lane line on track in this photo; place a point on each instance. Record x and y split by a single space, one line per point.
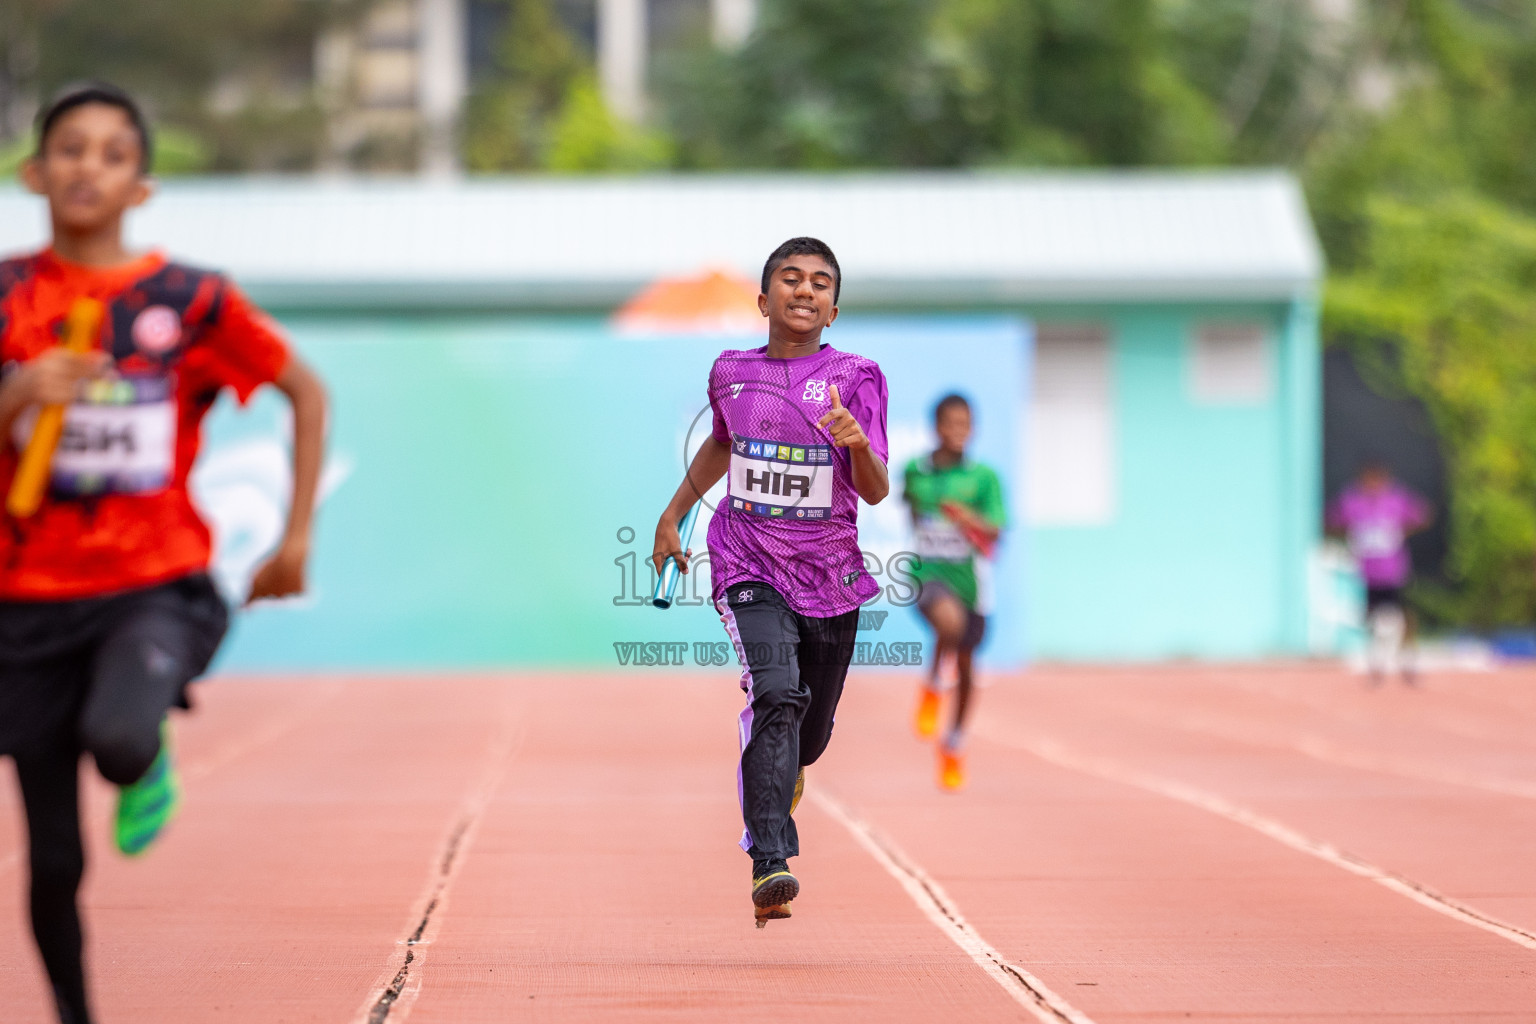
1322 750
1026 989
395 992
1319 748
1059 754
1331 709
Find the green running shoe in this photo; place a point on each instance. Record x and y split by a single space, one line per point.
145 807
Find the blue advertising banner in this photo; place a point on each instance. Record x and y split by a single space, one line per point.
493 485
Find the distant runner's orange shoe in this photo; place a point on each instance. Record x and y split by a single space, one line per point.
951 770
926 722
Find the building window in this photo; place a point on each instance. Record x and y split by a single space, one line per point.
1069 449
1229 364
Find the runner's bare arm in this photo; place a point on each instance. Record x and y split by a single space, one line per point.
283 573
706 469
53 378
870 477
967 517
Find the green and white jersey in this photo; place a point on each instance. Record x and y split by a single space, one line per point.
944 553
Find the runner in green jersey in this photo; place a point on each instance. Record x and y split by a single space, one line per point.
957 514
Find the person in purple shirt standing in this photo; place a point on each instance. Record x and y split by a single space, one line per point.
1376 515
799 428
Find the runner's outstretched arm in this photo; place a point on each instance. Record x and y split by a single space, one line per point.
706 469
283 573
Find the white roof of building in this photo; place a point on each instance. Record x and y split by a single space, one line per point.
909 239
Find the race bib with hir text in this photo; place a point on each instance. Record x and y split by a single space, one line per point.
780 480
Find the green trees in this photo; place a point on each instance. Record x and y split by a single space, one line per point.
942 83
1426 206
540 107
508 121
1441 303
856 83
219 72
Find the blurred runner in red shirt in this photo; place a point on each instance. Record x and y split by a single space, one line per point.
106 608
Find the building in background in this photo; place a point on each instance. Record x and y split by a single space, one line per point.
1142 348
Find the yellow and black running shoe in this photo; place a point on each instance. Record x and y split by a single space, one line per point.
772 889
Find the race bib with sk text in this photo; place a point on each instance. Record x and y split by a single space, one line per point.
119 438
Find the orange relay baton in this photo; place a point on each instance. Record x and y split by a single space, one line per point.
31 480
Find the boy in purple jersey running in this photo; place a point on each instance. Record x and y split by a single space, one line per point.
800 428
1376 515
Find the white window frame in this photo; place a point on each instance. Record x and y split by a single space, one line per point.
1231 362
1071 463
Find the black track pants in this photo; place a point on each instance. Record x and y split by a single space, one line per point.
793 667
49 789
94 676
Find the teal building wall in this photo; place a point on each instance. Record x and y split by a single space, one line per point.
494 481
1217 505
494 484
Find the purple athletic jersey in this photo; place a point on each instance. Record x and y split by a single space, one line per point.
789 517
1377 525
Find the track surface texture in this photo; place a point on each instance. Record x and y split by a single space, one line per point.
1222 844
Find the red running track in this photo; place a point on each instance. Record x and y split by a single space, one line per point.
1182 843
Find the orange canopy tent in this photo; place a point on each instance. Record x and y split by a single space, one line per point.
714 302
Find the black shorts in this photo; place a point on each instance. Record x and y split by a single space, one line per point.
49 649
1383 597
975 622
